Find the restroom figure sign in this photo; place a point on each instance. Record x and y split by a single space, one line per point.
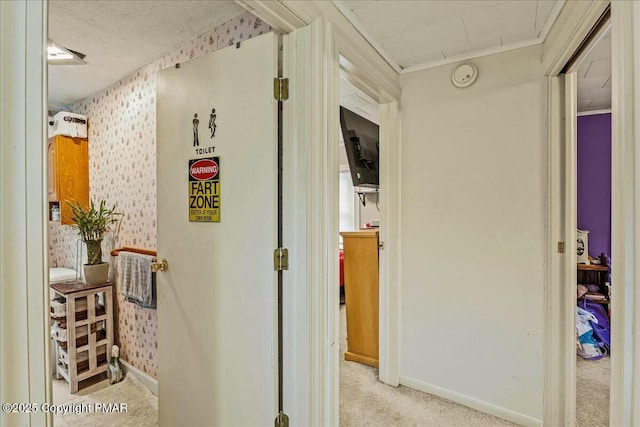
196 122
212 122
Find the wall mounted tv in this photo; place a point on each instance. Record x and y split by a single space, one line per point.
361 142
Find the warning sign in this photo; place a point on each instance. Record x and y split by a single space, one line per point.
204 190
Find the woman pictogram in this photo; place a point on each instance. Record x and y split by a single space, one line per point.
212 122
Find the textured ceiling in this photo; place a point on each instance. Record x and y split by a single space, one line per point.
419 34
120 37
594 77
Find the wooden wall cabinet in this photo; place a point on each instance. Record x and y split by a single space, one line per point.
361 295
68 176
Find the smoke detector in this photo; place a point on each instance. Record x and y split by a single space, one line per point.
464 75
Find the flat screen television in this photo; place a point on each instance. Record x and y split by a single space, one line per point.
361 142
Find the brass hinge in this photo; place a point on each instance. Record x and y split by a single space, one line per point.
560 247
281 259
280 89
282 420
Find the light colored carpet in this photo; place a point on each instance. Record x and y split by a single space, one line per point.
364 401
592 392
61 393
141 405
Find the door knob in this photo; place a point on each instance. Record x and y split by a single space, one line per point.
159 266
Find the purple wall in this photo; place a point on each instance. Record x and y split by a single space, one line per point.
594 181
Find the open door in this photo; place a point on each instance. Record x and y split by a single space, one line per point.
217 219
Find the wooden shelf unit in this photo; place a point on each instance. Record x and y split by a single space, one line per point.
68 175
76 363
361 295
596 274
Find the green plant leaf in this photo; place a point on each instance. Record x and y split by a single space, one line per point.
92 224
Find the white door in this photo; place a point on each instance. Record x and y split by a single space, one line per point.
216 302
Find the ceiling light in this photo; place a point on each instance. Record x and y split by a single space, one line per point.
58 55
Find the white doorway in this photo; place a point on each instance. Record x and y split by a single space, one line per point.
587 188
561 372
593 191
359 212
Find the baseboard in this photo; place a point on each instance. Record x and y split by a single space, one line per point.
146 380
472 402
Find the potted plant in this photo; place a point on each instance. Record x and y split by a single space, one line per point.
92 225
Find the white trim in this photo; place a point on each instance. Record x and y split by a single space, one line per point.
585 50
570 226
377 78
594 112
24 324
389 257
361 71
357 24
308 383
572 26
332 192
273 13
555 357
146 380
471 55
551 19
625 214
471 402
315 126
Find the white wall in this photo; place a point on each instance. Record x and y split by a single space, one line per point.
368 212
473 232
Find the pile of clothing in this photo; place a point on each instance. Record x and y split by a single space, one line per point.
593 330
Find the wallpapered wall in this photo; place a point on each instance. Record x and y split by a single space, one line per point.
122 170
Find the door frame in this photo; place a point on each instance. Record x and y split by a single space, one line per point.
562 41
24 294
573 25
314 58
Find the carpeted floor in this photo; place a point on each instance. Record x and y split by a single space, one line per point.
592 392
141 405
364 401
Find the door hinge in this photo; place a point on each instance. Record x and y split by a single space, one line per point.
560 247
282 420
281 259
280 89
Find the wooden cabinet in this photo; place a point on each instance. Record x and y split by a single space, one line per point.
83 352
595 274
68 176
361 295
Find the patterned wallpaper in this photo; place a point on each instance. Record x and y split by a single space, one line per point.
122 170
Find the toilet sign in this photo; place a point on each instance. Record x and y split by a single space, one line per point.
204 190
